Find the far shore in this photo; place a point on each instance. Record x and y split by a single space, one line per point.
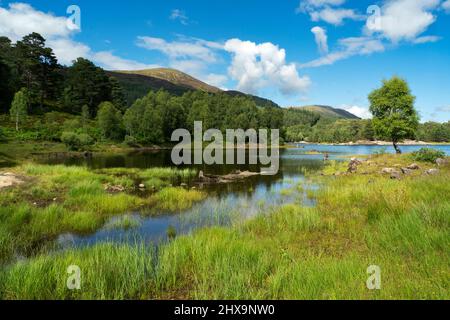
374 143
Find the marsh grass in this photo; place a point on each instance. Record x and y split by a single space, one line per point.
125 222
59 199
291 253
176 199
108 271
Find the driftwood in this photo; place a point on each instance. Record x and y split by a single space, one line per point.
228 178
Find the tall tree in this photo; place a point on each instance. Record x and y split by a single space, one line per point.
117 94
19 107
38 68
9 80
86 84
394 115
110 121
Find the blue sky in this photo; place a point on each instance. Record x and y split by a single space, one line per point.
294 52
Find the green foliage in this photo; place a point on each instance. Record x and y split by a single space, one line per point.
38 70
428 155
393 109
19 107
110 121
117 94
86 84
76 141
434 132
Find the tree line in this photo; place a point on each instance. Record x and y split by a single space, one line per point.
34 83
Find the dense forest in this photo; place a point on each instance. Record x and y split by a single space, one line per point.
82 104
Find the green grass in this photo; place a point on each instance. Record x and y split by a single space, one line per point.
291 253
107 272
59 199
176 199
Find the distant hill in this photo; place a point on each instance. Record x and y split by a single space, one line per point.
176 77
262 102
137 84
329 112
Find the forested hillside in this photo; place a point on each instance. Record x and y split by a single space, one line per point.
82 104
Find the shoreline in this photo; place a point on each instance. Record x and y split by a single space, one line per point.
375 143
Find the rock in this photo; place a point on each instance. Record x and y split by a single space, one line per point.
432 172
395 175
388 170
353 165
406 171
8 179
183 185
112 189
413 166
142 186
441 162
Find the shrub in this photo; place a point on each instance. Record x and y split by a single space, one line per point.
131 141
428 155
2 134
76 141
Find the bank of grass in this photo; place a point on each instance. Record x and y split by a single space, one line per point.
363 219
59 199
106 271
176 199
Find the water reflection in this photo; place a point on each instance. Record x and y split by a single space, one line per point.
226 203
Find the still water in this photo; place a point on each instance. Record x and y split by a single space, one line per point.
226 204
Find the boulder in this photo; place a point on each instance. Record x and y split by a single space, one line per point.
406 171
353 165
388 170
9 179
395 175
432 172
142 186
441 162
413 166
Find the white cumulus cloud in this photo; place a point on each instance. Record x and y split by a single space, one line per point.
21 19
446 5
358 111
321 38
405 20
257 66
328 11
348 47
191 48
335 16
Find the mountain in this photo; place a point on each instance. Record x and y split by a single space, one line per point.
175 77
328 111
137 84
262 102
